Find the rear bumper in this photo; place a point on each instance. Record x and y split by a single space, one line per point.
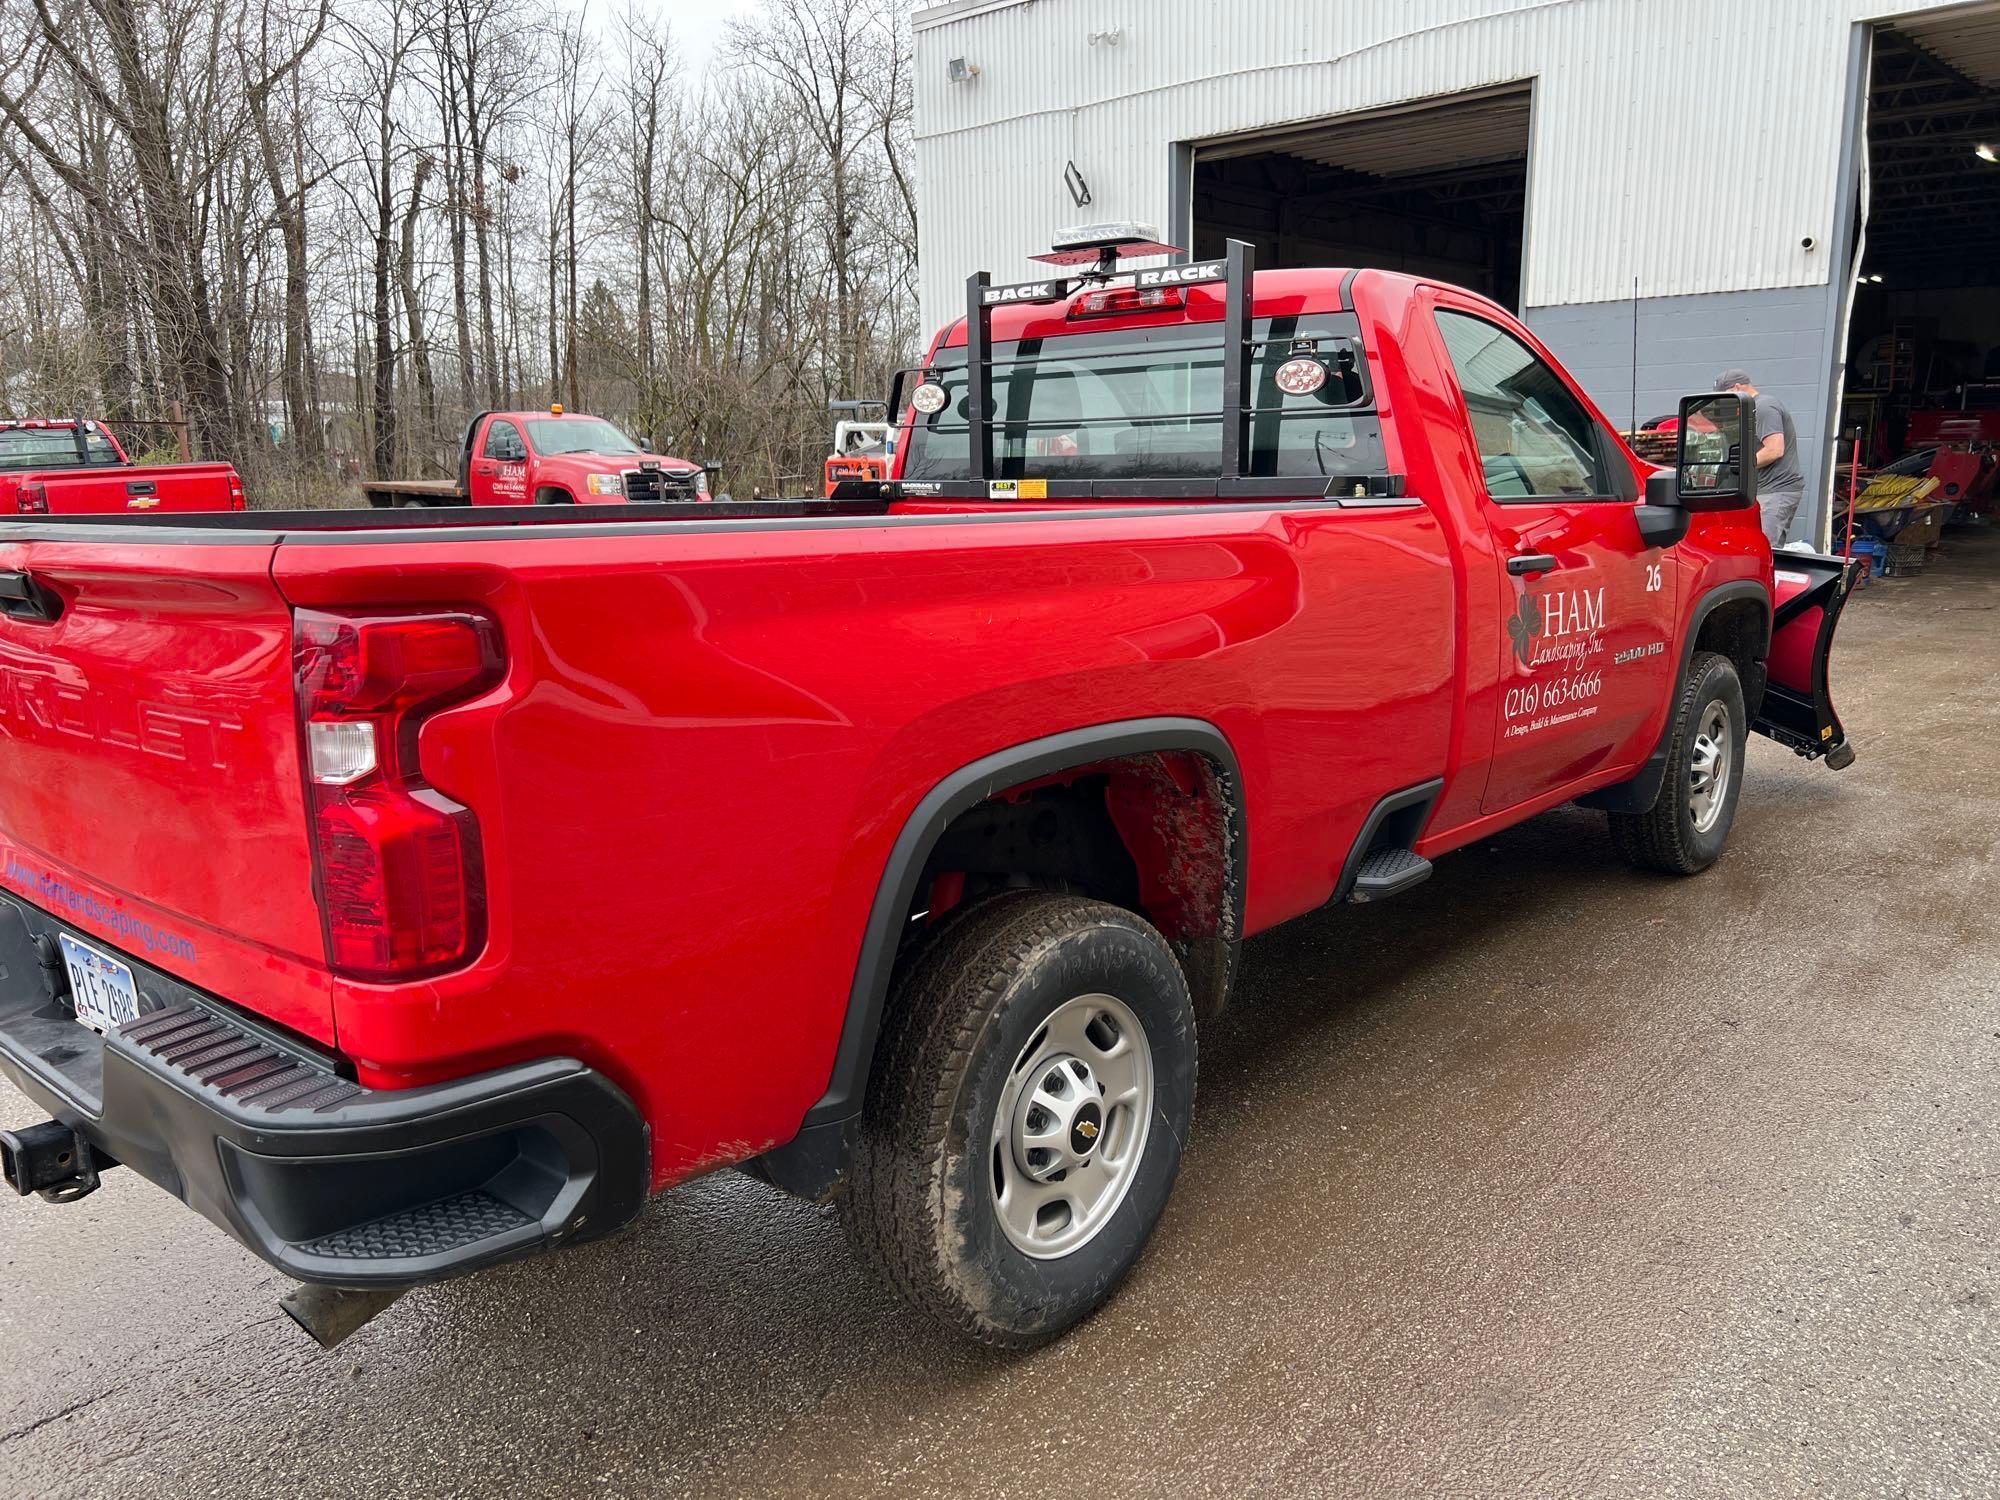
328 1181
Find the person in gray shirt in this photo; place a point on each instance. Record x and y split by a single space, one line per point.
1781 482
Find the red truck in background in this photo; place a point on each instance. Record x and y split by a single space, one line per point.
548 457
73 466
414 893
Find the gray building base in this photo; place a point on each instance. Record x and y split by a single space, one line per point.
1780 336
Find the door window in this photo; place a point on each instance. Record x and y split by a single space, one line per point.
503 442
1536 442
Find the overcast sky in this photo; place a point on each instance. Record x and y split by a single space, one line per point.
698 26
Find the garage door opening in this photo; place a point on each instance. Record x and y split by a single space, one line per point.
1923 381
1438 190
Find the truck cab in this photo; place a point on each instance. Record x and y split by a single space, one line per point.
549 457
556 457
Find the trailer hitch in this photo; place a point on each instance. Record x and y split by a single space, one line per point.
51 1159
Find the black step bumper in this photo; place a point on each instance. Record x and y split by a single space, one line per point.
329 1181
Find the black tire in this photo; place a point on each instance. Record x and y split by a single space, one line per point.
921 1207
1667 836
554 497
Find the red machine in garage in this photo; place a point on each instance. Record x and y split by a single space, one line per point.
1966 460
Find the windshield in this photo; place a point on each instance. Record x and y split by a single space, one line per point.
51 448
578 435
1147 404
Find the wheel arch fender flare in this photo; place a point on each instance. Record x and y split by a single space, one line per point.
811 1162
1642 790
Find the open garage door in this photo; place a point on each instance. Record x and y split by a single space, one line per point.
1923 371
1435 189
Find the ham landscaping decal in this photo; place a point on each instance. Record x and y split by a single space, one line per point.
1561 630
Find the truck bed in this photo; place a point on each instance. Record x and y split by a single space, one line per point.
693 689
423 489
275 524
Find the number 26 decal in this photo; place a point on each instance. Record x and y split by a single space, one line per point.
1652 578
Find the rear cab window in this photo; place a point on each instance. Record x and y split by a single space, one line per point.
1146 403
23 448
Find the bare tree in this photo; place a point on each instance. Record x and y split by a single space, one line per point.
413 310
332 233
272 58
381 44
649 75
818 52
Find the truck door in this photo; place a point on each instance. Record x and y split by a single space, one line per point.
1586 659
500 468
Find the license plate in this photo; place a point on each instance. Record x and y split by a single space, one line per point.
100 987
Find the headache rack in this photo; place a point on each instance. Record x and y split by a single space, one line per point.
1235 271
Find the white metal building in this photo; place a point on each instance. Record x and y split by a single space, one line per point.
1688 183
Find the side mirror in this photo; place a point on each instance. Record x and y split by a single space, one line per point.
1715 457
645 445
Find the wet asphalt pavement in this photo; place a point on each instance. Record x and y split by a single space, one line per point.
1545 1179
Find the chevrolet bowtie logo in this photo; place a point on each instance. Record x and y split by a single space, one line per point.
1087 1129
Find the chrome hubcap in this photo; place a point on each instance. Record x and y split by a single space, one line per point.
1071 1126
1711 766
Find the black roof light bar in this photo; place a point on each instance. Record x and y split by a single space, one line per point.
1100 247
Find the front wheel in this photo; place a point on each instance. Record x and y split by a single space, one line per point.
1026 1114
1684 830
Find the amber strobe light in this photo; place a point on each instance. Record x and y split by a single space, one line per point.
402 889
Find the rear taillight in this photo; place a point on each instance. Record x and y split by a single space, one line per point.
1127 299
401 882
33 498
235 491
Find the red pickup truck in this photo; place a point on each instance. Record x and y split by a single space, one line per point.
410 893
77 467
548 457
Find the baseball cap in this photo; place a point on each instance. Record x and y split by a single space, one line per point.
1730 379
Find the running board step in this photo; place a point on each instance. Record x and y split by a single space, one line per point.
1388 872
454 1223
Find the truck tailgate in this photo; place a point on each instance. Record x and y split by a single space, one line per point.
142 489
150 759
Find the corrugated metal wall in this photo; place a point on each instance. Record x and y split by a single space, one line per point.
1691 145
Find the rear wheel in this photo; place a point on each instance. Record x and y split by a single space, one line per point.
1684 830
1030 1098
